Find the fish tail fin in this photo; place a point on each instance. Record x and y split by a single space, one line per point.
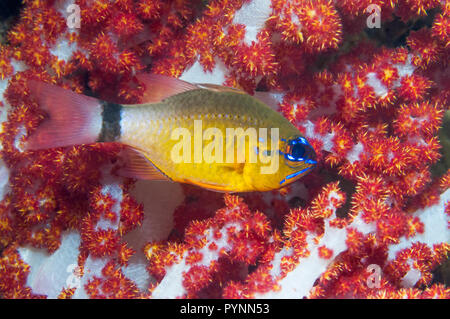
72 118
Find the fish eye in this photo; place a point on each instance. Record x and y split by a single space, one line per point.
299 151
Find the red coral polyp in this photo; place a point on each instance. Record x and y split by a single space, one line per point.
422 119
321 25
126 25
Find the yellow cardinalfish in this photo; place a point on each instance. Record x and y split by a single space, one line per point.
212 136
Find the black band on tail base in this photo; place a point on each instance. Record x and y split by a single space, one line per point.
111 122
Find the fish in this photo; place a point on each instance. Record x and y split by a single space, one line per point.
212 136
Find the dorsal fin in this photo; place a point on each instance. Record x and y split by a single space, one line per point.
158 87
219 88
266 97
136 165
271 99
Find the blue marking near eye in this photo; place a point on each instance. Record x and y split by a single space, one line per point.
294 159
297 173
294 174
309 161
298 140
303 140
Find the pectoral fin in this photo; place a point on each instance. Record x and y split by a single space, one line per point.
137 165
238 168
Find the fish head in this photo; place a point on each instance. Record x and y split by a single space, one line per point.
292 158
299 158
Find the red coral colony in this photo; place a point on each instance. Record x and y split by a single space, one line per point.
371 221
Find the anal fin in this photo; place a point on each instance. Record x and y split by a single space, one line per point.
210 186
137 165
